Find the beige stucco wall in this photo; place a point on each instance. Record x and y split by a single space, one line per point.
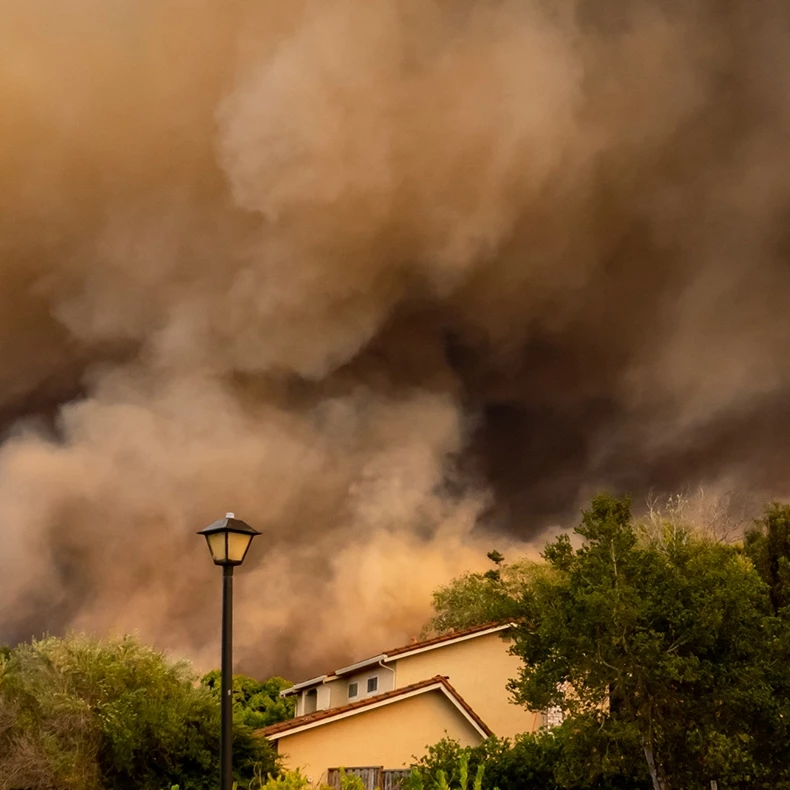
334 693
479 669
338 689
338 693
388 736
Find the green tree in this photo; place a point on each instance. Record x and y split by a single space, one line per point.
478 598
85 714
256 703
669 643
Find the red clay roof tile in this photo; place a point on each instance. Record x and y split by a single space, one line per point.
437 640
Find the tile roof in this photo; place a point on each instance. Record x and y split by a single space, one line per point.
398 651
437 640
283 727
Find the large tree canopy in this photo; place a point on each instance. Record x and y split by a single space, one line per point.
660 643
670 635
256 703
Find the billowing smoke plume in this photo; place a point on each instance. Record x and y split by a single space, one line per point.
396 281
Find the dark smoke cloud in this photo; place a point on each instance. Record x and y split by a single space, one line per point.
393 281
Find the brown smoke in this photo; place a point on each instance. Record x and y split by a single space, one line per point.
396 281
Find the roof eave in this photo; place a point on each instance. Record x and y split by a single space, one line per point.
368 662
438 683
297 687
446 642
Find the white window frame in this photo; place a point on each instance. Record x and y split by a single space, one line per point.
361 682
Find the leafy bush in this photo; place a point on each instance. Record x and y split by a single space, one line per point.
456 766
85 714
295 780
580 754
287 780
256 703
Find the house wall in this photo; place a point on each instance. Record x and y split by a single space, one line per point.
312 699
324 700
479 669
385 682
302 702
389 736
336 691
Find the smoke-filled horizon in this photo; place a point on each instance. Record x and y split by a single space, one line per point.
396 281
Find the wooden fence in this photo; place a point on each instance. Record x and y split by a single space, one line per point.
371 776
374 777
392 779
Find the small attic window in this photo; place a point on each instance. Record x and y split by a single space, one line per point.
373 684
353 690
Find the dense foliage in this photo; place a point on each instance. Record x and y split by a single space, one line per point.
453 774
768 546
256 703
577 754
83 714
667 650
296 780
477 598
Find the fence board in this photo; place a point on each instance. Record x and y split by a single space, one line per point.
393 779
370 775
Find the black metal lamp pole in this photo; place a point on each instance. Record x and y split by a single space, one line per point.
226 747
228 541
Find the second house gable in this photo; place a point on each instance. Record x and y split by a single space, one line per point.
477 662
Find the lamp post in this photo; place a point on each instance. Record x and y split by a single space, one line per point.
228 541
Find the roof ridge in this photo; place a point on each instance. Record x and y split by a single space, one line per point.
452 634
465 705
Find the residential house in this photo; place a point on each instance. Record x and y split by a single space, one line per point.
376 715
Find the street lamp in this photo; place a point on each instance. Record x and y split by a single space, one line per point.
228 541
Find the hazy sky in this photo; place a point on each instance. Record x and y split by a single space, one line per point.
396 281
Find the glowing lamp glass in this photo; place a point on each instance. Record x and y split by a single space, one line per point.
229 540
